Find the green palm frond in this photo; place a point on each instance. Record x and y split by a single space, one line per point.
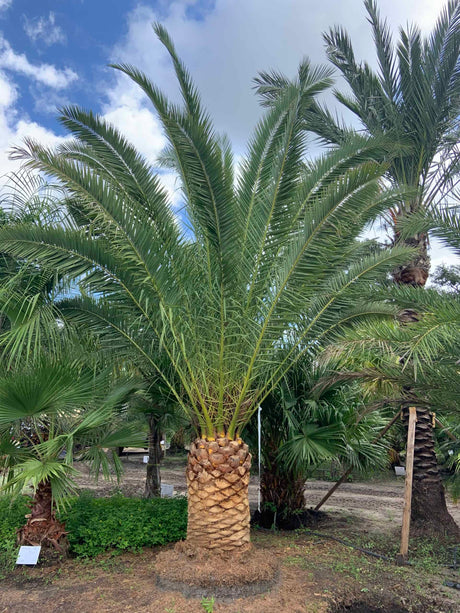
218 309
412 99
54 405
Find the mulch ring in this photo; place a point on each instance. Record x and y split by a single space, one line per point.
206 574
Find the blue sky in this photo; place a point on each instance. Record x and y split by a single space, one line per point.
74 36
56 52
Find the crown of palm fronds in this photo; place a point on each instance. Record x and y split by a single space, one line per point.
268 264
422 357
413 99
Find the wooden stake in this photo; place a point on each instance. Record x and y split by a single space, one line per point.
403 553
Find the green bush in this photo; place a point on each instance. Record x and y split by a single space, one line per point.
12 517
98 524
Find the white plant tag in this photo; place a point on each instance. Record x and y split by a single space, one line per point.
167 491
28 555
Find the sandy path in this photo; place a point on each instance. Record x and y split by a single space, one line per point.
380 502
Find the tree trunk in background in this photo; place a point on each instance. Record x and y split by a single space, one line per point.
414 273
282 491
429 514
153 478
178 441
42 527
218 505
429 510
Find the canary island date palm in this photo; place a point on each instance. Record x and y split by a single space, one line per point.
260 261
51 409
414 100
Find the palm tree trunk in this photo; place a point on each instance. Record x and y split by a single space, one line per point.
153 477
282 493
429 514
178 441
415 272
42 527
429 509
218 505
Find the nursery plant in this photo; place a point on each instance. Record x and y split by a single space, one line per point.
260 260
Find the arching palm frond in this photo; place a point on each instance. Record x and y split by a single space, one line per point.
269 259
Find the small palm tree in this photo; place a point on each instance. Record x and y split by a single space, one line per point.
416 365
153 407
302 429
51 409
261 262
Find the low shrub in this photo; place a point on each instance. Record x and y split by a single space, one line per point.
98 524
12 517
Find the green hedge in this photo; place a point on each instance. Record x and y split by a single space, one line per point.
98 524
12 514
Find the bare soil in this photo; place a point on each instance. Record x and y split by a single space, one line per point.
318 574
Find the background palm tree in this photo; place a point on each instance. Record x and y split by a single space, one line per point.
413 100
415 365
155 412
265 262
51 409
301 430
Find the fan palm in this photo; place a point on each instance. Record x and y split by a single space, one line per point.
262 262
413 99
301 430
50 409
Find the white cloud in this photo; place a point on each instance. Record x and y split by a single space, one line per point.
230 44
44 29
171 183
8 92
126 111
46 74
14 128
5 4
139 126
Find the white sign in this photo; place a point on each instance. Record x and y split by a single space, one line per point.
167 491
400 471
146 459
28 555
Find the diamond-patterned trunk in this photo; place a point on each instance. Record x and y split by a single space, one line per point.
218 505
429 512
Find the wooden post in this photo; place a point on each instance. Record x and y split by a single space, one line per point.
401 558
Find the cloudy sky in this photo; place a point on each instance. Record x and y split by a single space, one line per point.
56 52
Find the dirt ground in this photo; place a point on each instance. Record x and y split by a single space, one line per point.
318 574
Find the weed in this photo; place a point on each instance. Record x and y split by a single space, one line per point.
296 561
208 604
172 608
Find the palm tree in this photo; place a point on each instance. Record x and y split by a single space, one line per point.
51 409
259 263
418 365
414 100
302 429
153 407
